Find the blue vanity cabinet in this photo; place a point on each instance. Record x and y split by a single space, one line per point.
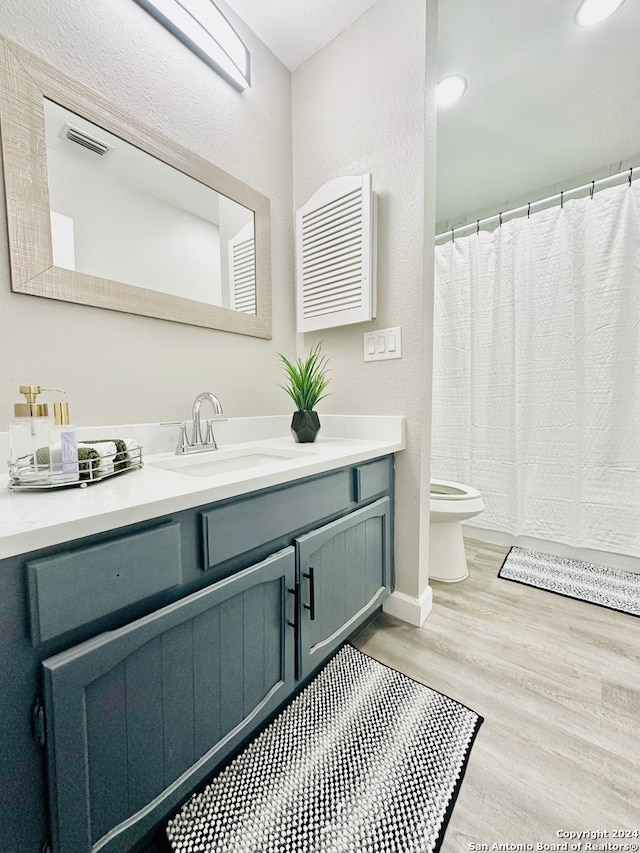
138 717
344 575
135 661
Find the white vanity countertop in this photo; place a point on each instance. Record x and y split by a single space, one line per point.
36 519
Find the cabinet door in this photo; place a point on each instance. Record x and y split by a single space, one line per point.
344 576
138 717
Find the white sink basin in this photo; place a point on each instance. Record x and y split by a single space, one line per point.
226 461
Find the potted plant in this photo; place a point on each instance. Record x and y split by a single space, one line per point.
307 383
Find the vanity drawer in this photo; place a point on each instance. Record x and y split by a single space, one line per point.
371 479
71 589
234 529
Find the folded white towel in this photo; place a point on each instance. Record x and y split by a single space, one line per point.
107 453
133 449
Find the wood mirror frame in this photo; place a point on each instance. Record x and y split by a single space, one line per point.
25 81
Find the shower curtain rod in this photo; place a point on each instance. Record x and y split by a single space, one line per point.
533 206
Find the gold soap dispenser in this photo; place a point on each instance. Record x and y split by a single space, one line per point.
29 432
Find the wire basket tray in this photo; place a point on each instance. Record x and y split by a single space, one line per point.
35 476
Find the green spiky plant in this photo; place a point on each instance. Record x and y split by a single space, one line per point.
307 379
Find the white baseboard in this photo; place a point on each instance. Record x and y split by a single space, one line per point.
411 610
621 562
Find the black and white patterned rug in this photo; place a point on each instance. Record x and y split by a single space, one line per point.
364 759
612 588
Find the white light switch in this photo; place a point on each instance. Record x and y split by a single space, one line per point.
383 344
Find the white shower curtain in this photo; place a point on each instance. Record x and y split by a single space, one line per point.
536 397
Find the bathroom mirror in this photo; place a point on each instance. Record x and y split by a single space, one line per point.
106 212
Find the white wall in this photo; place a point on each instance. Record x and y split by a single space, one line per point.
361 105
570 181
119 368
364 103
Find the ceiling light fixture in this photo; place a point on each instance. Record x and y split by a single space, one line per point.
450 89
592 12
202 27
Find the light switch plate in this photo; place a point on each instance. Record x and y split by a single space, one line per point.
383 344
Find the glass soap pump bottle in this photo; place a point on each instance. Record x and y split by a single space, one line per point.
29 433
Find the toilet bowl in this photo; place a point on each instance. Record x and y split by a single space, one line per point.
450 504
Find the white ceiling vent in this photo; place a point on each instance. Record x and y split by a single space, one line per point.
335 248
78 136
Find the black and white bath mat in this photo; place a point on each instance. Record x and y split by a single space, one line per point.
601 585
364 759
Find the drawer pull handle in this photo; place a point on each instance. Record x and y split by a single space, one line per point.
311 606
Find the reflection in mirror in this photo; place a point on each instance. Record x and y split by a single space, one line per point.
146 227
174 234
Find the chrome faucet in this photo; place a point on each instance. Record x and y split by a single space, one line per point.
198 444
196 437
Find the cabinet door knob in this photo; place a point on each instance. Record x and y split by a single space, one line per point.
311 606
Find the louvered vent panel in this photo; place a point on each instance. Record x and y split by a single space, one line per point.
78 136
242 266
334 232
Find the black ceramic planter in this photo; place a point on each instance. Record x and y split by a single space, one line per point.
305 426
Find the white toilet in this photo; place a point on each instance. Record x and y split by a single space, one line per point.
450 504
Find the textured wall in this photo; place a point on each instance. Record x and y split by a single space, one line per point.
116 367
360 106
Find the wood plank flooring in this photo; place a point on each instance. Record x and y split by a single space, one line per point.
558 683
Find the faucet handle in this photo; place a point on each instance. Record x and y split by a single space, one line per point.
183 441
209 437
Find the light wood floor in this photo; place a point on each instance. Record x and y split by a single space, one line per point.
558 683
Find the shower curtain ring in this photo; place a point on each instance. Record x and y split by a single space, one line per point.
630 175
561 200
453 239
501 219
477 226
593 186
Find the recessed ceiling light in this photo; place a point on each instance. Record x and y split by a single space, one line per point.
450 89
592 12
